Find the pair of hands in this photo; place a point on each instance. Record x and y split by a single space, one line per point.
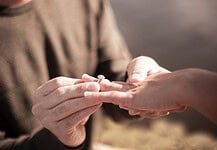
149 91
64 105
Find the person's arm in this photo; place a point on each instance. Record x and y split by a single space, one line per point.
203 83
166 92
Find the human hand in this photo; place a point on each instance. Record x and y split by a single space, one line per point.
141 67
152 98
138 70
106 85
61 107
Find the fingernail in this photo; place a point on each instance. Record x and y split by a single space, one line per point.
137 77
84 76
87 94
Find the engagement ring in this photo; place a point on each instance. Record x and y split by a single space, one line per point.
100 78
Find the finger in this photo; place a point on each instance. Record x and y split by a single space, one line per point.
153 115
68 92
55 83
73 120
71 106
115 86
147 113
172 109
84 121
139 67
89 78
178 109
164 70
101 80
157 71
115 97
136 74
133 112
124 107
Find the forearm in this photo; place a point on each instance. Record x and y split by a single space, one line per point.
204 88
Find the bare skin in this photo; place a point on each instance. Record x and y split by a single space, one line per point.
164 92
138 70
61 107
13 3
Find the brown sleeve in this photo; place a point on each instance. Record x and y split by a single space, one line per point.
41 140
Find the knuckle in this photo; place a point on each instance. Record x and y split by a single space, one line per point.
57 82
69 125
130 96
59 109
106 87
112 96
129 101
39 111
59 92
35 110
80 89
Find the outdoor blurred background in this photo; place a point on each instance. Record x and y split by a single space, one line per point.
178 34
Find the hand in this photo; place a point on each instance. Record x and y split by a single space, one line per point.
154 97
138 70
142 67
106 85
61 107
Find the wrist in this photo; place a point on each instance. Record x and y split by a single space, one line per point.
75 138
185 80
197 81
203 84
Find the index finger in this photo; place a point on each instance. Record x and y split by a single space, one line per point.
87 77
55 83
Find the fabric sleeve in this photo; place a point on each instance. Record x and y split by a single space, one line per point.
41 140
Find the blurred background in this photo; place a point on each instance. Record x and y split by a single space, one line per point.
178 34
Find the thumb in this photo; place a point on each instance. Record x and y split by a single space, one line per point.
139 68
